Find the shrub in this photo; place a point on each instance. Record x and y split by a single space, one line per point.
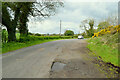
29 33
37 34
24 39
4 36
109 30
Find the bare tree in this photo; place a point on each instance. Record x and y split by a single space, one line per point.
112 20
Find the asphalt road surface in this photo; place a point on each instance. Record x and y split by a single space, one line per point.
36 61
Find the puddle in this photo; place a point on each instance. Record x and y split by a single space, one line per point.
57 66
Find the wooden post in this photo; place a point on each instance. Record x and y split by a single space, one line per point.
60 27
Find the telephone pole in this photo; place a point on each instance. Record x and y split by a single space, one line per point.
60 27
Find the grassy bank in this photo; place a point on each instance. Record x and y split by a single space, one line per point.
29 41
108 52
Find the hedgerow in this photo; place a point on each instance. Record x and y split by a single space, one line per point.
33 38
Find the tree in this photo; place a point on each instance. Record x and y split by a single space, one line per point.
8 21
112 20
103 25
37 34
29 33
21 11
91 30
88 24
26 9
41 10
69 33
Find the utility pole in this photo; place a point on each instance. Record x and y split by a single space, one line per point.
60 27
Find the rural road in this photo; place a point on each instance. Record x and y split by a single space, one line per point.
36 61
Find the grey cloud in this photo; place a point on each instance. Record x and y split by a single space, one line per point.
73 13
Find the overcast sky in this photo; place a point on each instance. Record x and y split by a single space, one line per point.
72 14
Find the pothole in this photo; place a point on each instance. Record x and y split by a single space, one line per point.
57 66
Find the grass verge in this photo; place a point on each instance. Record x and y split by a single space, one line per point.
108 54
7 47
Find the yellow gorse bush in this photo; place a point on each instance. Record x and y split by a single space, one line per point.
109 30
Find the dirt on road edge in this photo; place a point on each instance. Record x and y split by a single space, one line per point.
79 64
